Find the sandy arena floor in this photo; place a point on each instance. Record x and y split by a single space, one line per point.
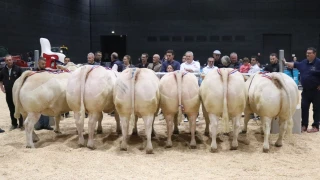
59 157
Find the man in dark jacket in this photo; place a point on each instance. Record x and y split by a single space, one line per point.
9 74
274 65
115 61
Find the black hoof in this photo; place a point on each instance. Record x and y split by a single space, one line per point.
243 132
176 132
99 131
153 134
36 140
57 132
206 133
278 145
233 148
119 132
135 133
92 148
28 147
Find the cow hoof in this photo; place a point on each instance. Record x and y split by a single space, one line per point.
119 132
206 133
35 140
246 142
135 133
214 150
168 146
233 148
149 151
153 134
193 146
176 132
81 145
91 147
243 132
265 150
28 147
57 132
278 145
99 131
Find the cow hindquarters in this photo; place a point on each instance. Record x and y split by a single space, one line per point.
31 120
266 123
148 121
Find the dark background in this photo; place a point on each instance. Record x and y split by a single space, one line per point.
153 26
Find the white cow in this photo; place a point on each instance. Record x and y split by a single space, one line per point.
223 94
270 96
137 93
36 93
180 92
90 89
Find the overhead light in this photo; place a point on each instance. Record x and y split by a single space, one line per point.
112 32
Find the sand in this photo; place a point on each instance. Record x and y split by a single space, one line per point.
59 157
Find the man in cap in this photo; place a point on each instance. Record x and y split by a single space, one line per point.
216 56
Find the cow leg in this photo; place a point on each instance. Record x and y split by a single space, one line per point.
236 128
214 130
283 127
99 129
125 128
148 126
79 125
246 120
169 119
206 117
35 137
31 120
192 125
153 133
175 122
116 115
57 124
91 126
135 128
266 128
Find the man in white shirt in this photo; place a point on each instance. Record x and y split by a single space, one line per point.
254 65
210 66
190 65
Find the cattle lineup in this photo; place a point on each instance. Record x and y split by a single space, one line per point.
224 95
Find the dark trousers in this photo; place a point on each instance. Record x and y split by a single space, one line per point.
308 97
9 100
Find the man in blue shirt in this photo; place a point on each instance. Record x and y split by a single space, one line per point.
310 81
170 61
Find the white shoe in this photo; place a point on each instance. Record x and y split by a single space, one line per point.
197 120
185 119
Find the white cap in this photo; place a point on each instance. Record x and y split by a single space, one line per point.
216 52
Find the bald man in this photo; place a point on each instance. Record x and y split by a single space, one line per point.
155 66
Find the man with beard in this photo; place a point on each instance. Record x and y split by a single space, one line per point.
274 65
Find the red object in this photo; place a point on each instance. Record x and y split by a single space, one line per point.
19 62
51 60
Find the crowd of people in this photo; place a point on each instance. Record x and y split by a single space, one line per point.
309 69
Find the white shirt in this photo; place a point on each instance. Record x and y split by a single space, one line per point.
208 69
194 65
254 69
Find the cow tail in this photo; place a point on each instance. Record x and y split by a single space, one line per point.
83 76
16 95
225 115
134 72
279 77
179 83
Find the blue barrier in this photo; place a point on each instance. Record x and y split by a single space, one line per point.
295 74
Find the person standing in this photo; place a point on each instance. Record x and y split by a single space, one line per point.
9 74
309 70
274 65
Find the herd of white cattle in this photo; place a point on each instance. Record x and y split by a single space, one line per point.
136 93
